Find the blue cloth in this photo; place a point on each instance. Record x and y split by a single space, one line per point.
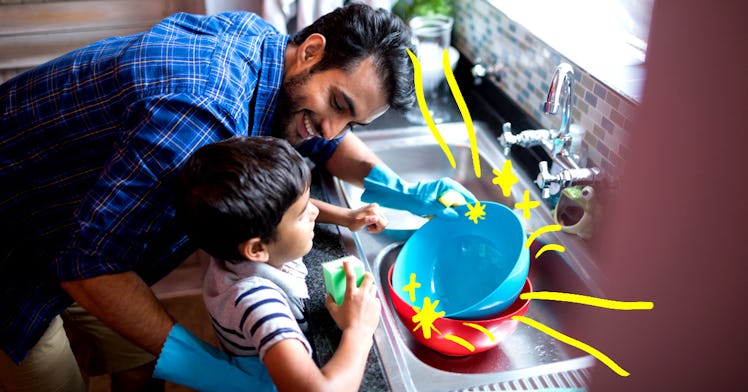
188 361
385 187
90 145
318 149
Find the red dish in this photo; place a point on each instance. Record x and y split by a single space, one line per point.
458 337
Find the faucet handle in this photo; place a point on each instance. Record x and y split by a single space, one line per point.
545 179
480 70
507 138
567 177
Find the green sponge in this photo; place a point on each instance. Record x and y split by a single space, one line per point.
334 275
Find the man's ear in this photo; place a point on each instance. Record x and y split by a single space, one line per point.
255 250
310 51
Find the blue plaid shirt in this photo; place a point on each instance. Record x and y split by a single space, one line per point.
90 145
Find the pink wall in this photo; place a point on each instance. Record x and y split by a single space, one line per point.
677 235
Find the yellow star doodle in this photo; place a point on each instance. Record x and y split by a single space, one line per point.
505 178
475 212
425 318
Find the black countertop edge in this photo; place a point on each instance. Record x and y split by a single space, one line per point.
323 333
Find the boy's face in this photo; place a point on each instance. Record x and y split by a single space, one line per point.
326 103
295 232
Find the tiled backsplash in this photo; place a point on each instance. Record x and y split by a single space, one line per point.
482 31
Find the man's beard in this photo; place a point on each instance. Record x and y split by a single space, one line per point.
288 106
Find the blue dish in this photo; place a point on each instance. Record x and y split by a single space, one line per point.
473 270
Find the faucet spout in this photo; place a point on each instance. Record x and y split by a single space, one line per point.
563 80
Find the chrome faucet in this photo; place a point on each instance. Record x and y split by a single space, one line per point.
556 142
563 79
562 83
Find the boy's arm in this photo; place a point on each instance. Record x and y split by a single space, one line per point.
368 216
330 213
291 367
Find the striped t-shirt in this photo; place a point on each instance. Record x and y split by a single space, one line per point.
253 305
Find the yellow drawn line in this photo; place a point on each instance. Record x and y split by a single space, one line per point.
417 76
587 300
576 343
482 329
462 342
455 89
540 231
556 247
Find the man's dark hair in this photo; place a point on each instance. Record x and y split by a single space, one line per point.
357 31
237 189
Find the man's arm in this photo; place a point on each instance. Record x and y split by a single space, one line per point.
127 305
352 160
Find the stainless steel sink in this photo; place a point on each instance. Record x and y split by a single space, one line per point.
528 359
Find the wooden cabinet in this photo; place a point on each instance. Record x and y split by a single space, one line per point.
34 32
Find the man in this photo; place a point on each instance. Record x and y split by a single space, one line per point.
92 141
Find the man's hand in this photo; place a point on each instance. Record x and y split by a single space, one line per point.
385 187
188 361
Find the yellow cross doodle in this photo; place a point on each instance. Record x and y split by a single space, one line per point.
411 287
526 204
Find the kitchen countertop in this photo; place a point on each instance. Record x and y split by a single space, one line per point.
323 333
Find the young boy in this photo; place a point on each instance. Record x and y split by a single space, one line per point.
245 201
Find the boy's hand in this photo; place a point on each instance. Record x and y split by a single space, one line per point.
360 309
370 216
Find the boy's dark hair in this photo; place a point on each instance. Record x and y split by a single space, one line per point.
357 31
237 189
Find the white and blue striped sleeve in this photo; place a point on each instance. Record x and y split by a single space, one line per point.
261 317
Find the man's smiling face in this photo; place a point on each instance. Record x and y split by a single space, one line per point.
327 103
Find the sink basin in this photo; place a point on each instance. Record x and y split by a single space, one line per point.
526 360
419 158
526 347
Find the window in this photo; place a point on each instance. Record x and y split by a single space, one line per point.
605 37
